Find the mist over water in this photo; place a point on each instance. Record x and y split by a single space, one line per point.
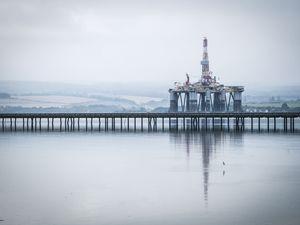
149 178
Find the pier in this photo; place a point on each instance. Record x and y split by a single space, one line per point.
284 121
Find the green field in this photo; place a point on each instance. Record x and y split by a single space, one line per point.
291 104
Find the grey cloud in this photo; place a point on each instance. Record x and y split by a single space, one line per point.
148 40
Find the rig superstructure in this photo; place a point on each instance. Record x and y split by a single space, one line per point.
206 95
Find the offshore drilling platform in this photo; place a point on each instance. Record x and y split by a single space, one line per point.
206 95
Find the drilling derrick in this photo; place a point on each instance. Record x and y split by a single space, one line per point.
205 95
206 75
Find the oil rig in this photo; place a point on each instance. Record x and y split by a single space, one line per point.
206 95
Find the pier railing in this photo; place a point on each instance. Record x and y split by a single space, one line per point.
139 121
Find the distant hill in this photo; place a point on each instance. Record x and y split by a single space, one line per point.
104 88
4 95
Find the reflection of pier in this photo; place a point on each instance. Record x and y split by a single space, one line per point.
134 121
206 143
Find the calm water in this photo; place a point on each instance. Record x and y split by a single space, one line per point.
149 178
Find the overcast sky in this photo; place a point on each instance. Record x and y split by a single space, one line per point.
249 42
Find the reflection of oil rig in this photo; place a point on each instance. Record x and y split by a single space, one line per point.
206 95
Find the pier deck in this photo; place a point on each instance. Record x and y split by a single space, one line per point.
127 121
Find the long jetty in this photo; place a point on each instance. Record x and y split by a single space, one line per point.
150 121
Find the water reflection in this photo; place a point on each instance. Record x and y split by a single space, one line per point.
207 144
149 178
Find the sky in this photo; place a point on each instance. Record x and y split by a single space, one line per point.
85 41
